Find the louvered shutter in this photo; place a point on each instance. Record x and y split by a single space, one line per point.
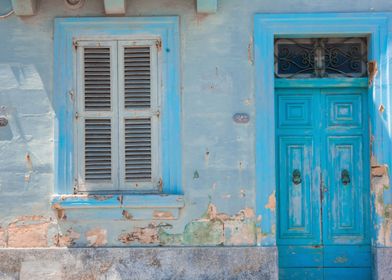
96 116
139 115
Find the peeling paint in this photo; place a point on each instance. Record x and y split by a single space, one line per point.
60 211
146 235
28 231
163 215
97 237
340 260
215 229
66 240
271 204
100 197
127 215
379 182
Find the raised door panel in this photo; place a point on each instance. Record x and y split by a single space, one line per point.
295 110
299 221
344 211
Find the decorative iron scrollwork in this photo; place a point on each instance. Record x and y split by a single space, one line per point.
320 57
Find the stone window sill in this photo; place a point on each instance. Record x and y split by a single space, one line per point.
117 207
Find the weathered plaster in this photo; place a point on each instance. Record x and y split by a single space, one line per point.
97 237
380 183
218 154
212 229
67 239
28 231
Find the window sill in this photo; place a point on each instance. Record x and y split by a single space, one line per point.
117 207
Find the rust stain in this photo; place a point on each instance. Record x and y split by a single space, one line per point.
271 204
162 215
29 163
60 211
120 199
29 167
127 215
206 157
200 17
66 240
97 237
100 197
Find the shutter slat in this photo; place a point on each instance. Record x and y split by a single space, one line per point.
137 77
97 152
138 150
97 79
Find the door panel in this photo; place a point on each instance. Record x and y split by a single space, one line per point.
344 191
300 273
298 224
344 111
347 256
295 111
301 256
347 273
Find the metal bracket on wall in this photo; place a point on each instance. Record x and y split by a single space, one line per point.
24 7
114 7
207 6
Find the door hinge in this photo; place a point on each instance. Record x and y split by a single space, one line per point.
372 69
160 184
76 115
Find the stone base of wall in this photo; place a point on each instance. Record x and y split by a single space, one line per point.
382 263
139 263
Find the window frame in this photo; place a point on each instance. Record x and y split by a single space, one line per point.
118 113
65 32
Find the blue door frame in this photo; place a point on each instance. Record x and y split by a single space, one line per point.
268 26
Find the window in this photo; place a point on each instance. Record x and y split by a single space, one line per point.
321 57
118 115
117 104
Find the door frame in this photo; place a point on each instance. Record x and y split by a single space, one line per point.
268 26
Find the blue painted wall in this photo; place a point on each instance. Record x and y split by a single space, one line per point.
218 168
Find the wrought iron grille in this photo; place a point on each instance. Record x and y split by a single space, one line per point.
320 57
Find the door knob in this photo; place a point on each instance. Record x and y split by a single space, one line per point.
296 177
345 177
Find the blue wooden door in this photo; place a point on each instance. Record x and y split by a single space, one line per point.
323 183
